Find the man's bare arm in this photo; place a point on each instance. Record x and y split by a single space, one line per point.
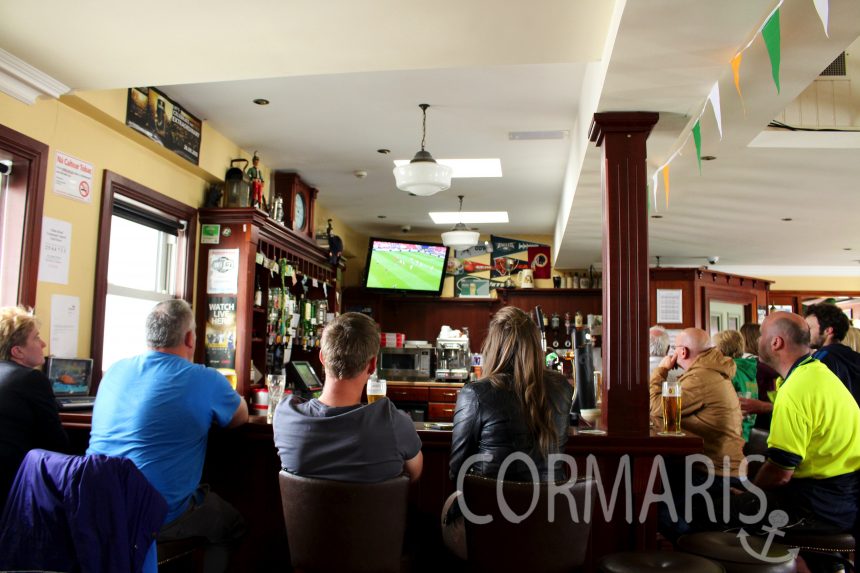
771 476
240 416
413 467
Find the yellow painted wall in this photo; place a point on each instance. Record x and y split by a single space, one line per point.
90 126
816 283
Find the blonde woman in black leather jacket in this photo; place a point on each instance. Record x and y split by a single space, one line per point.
518 407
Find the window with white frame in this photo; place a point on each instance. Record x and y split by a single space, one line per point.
142 268
145 256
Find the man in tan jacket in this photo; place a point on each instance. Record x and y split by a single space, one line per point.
709 403
711 410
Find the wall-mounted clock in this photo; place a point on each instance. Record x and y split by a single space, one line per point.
299 199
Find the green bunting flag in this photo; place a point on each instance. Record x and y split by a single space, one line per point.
770 34
697 138
647 198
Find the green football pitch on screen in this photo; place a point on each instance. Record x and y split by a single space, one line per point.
399 270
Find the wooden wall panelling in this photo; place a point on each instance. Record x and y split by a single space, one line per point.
688 302
797 297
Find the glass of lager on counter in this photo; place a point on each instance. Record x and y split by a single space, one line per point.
375 389
671 409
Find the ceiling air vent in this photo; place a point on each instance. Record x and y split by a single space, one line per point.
837 68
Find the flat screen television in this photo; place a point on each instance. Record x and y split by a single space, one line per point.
415 267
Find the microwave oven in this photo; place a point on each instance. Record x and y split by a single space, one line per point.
406 363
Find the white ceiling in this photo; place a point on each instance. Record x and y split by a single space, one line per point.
345 78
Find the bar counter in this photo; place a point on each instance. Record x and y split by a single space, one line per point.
242 466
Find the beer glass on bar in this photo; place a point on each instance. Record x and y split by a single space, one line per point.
671 409
375 389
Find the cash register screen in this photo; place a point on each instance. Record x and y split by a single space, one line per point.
304 373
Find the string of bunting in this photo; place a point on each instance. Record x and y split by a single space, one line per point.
770 33
287 270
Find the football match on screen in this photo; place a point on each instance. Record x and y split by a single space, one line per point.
406 266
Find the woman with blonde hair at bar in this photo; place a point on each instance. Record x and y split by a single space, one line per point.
518 407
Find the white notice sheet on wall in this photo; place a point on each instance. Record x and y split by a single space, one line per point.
56 249
223 274
65 316
669 308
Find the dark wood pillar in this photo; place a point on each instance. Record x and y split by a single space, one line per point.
622 136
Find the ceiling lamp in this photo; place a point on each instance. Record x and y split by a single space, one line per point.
423 176
460 238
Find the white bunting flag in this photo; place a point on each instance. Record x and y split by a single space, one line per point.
823 9
714 96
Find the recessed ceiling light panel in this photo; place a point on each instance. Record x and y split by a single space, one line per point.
537 135
449 217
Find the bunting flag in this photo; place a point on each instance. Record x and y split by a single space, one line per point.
647 199
736 71
654 187
666 183
770 34
823 9
697 139
714 96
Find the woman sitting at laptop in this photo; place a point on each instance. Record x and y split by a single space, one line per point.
28 411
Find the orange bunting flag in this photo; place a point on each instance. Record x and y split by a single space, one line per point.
666 183
736 71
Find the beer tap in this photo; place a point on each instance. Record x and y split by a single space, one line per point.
539 320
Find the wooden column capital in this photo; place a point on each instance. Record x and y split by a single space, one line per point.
622 136
621 122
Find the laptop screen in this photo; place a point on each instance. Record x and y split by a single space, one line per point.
69 376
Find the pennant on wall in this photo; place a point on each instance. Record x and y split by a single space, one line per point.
697 139
823 9
539 261
770 34
714 96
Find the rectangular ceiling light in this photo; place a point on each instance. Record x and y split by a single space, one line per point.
454 217
467 167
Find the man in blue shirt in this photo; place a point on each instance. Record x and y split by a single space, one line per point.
156 409
827 328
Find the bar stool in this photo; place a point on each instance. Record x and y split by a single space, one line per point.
663 561
726 549
368 520
836 545
537 542
181 554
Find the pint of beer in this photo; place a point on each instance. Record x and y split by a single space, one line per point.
375 389
671 408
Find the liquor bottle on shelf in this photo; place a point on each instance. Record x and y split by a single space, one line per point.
258 293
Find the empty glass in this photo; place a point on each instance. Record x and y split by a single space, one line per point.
275 382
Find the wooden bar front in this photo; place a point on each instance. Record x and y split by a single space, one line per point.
242 466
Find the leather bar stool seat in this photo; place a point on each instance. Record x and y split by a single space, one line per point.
821 542
726 549
663 561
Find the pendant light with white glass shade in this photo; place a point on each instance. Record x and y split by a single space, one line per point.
460 238
423 176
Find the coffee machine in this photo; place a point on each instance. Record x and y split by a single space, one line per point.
453 359
583 359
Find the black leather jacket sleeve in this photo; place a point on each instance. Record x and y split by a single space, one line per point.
467 429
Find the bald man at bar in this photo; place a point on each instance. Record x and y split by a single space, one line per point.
813 455
709 403
709 409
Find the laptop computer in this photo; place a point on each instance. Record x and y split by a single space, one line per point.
71 379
